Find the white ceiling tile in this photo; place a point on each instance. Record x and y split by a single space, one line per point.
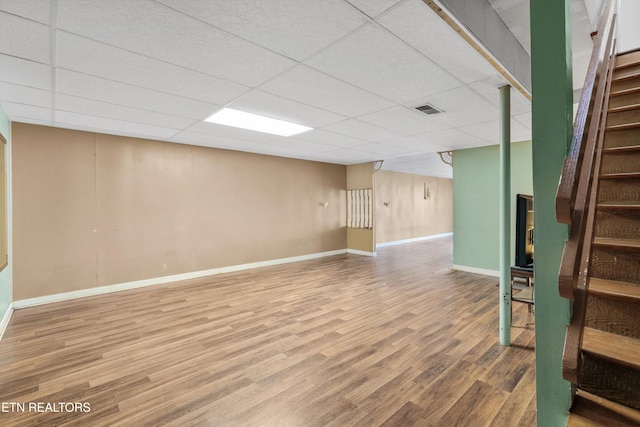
461 107
213 129
83 85
417 24
35 10
519 104
312 87
94 108
452 139
489 88
147 27
89 57
17 111
384 149
148 69
293 28
361 130
490 131
111 126
443 140
277 150
373 59
35 47
347 156
25 95
428 164
25 73
373 8
404 120
524 119
204 140
276 107
301 144
331 138
414 143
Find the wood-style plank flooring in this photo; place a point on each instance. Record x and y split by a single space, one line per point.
395 340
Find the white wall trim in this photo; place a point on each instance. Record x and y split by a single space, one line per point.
47 299
357 252
5 319
415 239
495 273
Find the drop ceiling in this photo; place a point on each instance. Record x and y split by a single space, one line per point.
353 70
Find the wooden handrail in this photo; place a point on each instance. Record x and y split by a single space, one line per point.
574 190
573 340
568 187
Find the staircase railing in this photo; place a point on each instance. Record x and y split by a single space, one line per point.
573 196
578 189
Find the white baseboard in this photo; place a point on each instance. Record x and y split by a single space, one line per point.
165 279
415 239
5 319
357 252
495 273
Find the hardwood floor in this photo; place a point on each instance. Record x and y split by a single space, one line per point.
395 340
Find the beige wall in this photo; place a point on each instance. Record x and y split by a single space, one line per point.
408 214
93 210
360 176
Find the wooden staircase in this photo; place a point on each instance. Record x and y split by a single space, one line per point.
603 340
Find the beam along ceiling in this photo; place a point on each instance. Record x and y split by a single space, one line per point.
353 70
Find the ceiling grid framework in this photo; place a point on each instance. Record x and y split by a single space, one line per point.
353 70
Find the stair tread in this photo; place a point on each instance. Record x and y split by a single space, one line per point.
627 60
614 289
624 74
591 410
612 347
622 149
615 206
624 108
621 243
623 126
620 175
623 92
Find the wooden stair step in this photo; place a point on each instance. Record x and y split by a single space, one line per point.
624 108
623 149
612 347
623 115
626 74
626 244
623 92
591 410
614 289
627 60
625 126
623 175
616 207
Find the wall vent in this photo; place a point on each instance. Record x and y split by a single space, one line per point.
429 109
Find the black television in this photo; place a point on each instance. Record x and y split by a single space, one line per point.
524 230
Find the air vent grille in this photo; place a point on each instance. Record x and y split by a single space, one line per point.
429 109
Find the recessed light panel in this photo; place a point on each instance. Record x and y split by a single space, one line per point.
240 119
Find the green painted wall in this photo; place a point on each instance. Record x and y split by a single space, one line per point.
476 203
552 112
5 275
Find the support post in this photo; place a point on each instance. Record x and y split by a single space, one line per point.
505 215
551 127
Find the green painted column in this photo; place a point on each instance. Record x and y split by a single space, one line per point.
505 215
552 113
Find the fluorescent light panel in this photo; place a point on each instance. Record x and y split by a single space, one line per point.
240 119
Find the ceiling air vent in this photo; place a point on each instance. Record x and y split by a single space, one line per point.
429 109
